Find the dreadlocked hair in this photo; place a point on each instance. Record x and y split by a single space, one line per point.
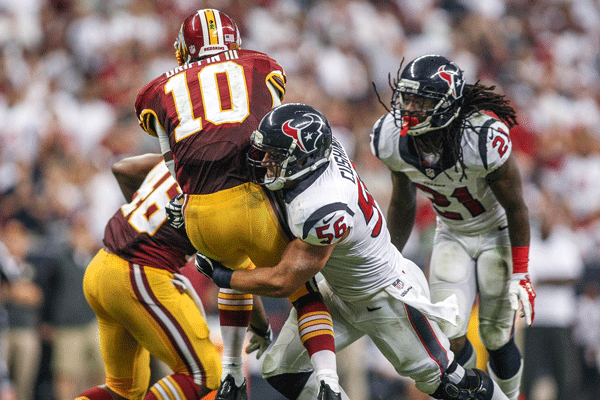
477 98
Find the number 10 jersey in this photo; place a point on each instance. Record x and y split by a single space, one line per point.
204 112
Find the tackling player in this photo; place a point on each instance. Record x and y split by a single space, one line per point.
369 287
202 113
451 141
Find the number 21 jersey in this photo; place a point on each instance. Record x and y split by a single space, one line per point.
466 204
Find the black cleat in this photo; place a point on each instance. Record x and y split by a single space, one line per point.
228 390
325 393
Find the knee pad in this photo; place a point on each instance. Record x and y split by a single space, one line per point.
506 361
475 385
289 385
467 357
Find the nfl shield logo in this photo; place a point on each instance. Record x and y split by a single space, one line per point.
398 284
430 172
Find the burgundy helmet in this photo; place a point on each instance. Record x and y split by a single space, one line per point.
205 32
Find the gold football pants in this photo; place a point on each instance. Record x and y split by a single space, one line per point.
140 312
236 225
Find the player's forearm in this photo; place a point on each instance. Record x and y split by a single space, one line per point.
400 224
263 282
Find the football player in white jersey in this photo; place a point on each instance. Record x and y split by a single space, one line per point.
450 140
369 288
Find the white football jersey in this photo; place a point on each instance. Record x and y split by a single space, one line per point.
466 205
334 206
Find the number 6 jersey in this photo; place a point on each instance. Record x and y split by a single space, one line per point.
203 113
466 205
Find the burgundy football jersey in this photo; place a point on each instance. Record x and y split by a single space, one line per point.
208 109
140 233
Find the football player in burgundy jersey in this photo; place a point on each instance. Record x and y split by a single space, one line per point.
202 113
451 141
131 286
369 288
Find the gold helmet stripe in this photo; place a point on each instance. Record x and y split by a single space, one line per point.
211 25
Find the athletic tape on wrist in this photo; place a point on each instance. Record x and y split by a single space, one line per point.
222 277
520 259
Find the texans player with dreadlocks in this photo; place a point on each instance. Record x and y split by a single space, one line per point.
450 140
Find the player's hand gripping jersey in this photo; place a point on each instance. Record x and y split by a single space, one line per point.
203 113
139 231
466 205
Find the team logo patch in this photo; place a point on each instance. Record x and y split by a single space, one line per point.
305 131
451 77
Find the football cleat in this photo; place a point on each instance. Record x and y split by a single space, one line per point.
229 391
326 393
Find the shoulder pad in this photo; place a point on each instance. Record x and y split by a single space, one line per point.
327 225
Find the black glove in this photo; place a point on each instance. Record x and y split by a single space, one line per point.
174 211
260 340
214 270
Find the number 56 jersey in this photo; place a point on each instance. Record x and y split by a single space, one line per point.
204 112
465 204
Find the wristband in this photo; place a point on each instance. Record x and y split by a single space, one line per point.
520 259
260 332
222 277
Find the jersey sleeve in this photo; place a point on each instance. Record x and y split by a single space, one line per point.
499 145
324 226
384 141
145 110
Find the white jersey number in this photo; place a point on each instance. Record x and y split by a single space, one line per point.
219 83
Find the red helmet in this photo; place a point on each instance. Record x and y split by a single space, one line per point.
206 32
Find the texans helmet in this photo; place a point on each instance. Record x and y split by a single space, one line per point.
292 140
205 32
428 95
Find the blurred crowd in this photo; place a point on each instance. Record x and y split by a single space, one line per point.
70 71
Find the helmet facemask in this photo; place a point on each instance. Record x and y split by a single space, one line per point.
420 110
277 167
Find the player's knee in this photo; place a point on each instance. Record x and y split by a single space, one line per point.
289 385
171 387
492 336
475 384
505 361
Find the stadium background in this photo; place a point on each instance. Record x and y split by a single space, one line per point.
70 71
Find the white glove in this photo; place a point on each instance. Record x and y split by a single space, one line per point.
520 289
174 211
259 341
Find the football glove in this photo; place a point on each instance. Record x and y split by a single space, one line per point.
260 341
520 289
214 270
174 211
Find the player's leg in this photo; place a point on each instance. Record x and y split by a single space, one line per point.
452 271
287 365
248 224
315 329
171 326
496 320
418 349
126 362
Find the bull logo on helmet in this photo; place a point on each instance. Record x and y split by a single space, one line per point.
306 131
452 78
